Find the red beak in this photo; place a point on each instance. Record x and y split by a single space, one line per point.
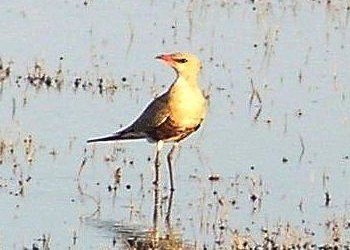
165 57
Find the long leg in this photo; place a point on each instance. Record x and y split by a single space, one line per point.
170 157
156 215
157 163
168 213
156 185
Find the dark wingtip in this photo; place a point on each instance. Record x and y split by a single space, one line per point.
89 141
103 139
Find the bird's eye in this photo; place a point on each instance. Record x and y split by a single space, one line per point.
181 60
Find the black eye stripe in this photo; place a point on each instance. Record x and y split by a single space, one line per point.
181 60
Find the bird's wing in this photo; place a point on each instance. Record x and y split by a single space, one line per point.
154 115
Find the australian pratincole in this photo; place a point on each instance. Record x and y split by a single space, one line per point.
172 116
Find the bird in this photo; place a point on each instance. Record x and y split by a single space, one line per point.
172 116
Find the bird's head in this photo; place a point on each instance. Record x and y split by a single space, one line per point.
184 63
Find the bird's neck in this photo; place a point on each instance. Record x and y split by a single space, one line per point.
188 79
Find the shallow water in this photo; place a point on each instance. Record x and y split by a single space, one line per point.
275 166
